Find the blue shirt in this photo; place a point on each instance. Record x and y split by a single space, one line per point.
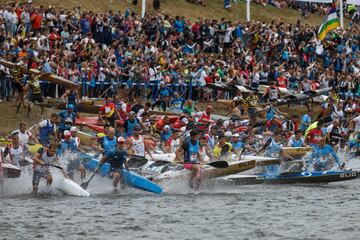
116 159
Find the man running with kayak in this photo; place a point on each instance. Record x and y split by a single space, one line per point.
189 155
117 160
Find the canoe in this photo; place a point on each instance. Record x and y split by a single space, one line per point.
208 172
10 171
69 187
291 178
297 151
140 182
46 76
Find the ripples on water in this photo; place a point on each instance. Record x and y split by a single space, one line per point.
244 212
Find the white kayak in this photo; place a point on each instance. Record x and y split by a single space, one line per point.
69 187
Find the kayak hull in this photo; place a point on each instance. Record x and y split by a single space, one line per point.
208 172
10 171
293 178
297 151
140 182
69 187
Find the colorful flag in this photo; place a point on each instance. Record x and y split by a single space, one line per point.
330 22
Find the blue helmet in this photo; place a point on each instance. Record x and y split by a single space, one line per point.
70 106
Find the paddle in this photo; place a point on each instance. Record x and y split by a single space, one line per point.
86 184
52 165
265 145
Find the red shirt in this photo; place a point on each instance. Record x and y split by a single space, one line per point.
315 135
36 22
108 110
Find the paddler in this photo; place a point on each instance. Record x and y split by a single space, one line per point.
272 93
46 128
74 131
24 135
41 170
108 112
69 145
15 150
314 136
136 144
191 157
253 104
222 141
67 118
322 156
296 140
108 142
117 160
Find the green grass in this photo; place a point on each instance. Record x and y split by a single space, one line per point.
214 9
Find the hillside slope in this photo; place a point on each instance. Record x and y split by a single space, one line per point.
214 9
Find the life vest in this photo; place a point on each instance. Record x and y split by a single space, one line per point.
16 154
191 154
109 144
138 146
72 97
77 141
130 127
44 133
46 159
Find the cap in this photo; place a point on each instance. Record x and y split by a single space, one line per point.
67 133
73 129
185 120
121 140
162 83
228 134
167 127
132 113
71 106
236 135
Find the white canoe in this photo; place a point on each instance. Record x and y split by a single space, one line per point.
69 187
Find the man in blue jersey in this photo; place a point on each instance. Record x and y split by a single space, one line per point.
117 158
322 157
108 142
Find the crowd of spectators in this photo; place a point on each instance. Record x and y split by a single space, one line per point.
112 50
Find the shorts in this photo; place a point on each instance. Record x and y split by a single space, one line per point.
38 175
114 170
72 165
189 166
36 98
252 111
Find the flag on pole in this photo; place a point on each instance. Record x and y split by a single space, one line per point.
330 22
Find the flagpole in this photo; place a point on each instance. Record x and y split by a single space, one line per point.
248 10
143 6
341 14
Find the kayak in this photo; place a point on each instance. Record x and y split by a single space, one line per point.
69 187
294 177
86 139
297 151
208 172
10 171
140 182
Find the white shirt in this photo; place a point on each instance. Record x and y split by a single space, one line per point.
23 137
357 123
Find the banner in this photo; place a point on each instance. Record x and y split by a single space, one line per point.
355 2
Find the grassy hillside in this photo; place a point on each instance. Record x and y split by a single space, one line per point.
214 9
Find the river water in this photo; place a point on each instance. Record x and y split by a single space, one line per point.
215 212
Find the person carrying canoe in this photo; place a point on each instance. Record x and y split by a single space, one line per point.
108 112
188 154
43 157
72 97
137 145
253 104
322 157
117 159
46 128
108 142
67 118
33 86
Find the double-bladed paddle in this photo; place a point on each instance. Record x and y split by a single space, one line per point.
86 184
219 164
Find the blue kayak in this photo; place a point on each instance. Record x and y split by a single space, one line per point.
295 177
129 177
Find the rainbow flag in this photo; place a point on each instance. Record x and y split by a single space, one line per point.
330 22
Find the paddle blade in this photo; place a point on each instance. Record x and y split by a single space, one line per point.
84 185
266 144
219 164
225 149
